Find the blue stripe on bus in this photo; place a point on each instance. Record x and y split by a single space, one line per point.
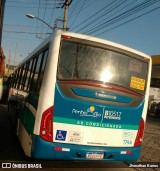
104 96
45 150
41 149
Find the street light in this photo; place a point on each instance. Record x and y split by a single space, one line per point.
32 17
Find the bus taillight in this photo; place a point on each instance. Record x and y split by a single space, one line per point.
46 128
140 133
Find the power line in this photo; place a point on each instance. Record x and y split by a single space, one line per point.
52 13
93 15
13 31
44 15
78 12
79 5
116 12
104 14
130 20
123 15
10 37
69 17
31 3
38 17
6 6
23 26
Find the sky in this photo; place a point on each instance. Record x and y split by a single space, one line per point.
133 23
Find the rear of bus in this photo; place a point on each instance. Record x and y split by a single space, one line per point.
100 102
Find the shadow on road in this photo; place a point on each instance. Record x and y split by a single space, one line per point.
10 148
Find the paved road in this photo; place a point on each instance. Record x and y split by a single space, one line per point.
151 144
10 148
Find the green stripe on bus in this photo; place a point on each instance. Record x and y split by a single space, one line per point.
29 121
94 124
27 118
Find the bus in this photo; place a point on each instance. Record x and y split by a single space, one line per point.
79 97
2 69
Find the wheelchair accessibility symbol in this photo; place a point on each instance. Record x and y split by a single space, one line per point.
61 135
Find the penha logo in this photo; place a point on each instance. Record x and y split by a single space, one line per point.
89 112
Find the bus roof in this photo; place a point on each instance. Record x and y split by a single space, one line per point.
86 37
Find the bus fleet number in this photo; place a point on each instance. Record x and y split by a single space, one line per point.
127 141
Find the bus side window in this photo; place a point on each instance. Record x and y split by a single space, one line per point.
25 76
41 72
32 74
19 78
15 78
22 77
28 74
36 72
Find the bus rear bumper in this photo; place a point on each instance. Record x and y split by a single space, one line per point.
59 151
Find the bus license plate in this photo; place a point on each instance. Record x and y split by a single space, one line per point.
94 155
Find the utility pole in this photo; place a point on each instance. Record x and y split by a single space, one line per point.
65 15
65 6
56 23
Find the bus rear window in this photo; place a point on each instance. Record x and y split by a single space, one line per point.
84 62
